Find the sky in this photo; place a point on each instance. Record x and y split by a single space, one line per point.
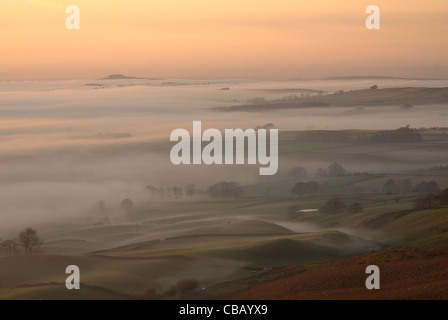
262 39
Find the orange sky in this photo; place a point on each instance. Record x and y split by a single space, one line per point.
279 39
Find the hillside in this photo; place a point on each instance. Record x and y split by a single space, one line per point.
357 98
405 273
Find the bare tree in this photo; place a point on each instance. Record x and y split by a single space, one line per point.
9 248
29 240
225 189
177 192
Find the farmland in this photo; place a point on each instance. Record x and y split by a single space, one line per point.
254 246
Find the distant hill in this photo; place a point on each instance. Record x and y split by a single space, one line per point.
387 96
357 98
118 77
374 78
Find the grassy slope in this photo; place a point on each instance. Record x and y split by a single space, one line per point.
226 245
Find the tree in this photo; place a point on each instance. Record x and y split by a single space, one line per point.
225 189
298 189
9 248
400 135
333 206
312 187
153 191
127 206
390 187
177 192
374 87
301 188
427 186
191 190
355 208
336 170
29 240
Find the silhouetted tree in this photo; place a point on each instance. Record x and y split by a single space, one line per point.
355 208
9 248
403 134
29 240
333 206
127 206
301 188
225 189
177 192
153 191
336 170
298 189
427 186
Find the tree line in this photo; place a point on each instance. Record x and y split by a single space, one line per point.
432 200
333 206
27 242
333 170
222 189
400 135
391 186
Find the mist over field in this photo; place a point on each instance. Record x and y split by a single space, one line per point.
68 144
328 121
87 164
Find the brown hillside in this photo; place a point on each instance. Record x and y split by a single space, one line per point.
405 273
